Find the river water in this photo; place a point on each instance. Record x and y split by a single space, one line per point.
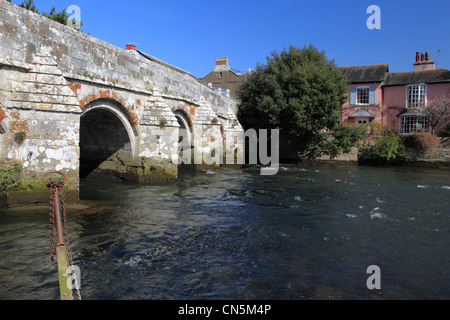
310 232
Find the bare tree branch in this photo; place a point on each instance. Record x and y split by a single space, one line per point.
435 112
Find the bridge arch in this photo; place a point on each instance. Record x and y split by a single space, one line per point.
105 131
186 128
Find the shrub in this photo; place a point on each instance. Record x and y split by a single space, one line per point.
421 142
413 142
341 139
388 145
429 140
10 178
19 137
382 144
445 132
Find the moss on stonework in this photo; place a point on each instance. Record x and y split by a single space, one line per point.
10 177
124 167
158 168
25 188
31 185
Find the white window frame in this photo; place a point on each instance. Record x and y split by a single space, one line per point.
422 94
411 126
357 96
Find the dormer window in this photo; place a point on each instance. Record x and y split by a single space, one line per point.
416 96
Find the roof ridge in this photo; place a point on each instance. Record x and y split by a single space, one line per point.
366 65
439 69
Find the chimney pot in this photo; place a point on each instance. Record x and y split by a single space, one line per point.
425 63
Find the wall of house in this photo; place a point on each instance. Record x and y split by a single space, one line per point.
376 109
395 102
229 80
435 91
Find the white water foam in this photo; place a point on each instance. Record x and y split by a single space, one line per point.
376 214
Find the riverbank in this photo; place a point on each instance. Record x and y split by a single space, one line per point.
435 158
438 158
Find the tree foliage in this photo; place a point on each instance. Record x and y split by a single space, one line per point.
382 143
29 5
61 17
299 92
333 142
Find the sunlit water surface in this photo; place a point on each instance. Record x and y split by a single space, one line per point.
310 232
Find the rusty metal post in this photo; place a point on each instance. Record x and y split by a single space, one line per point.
61 248
61 254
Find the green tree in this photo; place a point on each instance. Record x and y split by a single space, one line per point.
60 17
30 5
382 144
333 142
299 92
388 145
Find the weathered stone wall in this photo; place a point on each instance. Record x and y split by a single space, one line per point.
432 158
83 57
56 81
41 123
344 157
435 157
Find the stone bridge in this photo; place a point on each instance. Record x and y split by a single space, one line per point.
72 103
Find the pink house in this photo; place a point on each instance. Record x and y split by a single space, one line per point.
406 93
394 98
365 95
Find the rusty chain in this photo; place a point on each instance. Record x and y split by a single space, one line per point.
57 187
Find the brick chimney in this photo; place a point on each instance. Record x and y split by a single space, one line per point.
423 62
131 47
221 61
221 65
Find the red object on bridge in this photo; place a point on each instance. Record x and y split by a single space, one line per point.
131 47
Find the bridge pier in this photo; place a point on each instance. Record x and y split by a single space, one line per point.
40 120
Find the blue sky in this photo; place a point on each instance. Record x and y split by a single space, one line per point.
192 34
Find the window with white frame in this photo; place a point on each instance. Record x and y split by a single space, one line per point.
362 95
412 124
416 96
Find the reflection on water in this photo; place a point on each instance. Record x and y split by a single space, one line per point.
306 233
